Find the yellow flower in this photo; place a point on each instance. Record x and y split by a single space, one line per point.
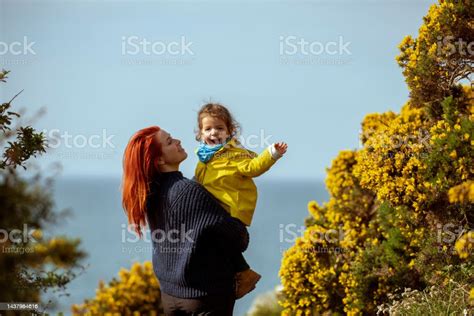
462 193
465 245
136 287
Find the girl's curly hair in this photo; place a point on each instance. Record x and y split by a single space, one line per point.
220 111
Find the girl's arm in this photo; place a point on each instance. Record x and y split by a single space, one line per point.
253 167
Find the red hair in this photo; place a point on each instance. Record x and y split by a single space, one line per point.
138 171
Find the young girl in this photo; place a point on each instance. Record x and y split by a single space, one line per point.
226 169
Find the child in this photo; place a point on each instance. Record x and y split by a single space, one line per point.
226 169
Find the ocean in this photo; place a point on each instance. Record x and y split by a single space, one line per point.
99 220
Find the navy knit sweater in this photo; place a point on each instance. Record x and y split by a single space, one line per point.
193 238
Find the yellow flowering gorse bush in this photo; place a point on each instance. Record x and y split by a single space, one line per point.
135 292
391 202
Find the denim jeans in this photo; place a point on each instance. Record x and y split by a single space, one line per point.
216 305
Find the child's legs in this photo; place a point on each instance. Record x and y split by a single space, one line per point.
238 259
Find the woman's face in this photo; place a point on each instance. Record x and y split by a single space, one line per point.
172 154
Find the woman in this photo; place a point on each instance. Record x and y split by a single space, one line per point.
193 238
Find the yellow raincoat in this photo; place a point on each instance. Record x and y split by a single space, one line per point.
228 176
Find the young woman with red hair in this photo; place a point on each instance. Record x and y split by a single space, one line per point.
193 237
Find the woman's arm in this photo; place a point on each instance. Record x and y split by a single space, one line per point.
199 205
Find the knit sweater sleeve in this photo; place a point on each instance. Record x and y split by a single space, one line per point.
199 205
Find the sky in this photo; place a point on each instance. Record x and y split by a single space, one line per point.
303 72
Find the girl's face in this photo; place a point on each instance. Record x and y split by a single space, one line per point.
214 130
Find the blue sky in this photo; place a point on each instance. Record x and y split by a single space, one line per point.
83 70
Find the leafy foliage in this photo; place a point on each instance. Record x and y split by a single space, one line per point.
31 262
404 200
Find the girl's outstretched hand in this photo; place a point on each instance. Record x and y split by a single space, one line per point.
281 148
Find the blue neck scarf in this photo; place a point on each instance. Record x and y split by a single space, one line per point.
205 152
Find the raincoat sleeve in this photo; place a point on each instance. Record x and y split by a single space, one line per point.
254 167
